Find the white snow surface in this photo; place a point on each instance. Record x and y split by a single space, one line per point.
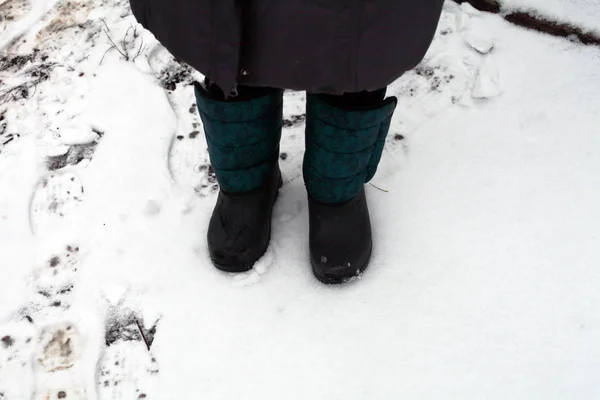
582 13
484 279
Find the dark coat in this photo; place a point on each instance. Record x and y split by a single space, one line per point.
330 46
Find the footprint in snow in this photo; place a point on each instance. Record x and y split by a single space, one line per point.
44 362
55 199
73 155
58 364
16 350
53 284
127 368
54 281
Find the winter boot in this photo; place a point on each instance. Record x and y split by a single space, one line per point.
343 150
243 143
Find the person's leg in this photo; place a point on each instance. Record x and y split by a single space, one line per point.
243 134
345 136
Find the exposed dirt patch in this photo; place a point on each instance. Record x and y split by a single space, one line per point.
15 63
122 328
76 154
60 348
5 137
212 175
32 69
434 75
69 14
209 182
175 73
3 122
553 28
424 70
54 261
128 326
21 73
12 10
538 23
294 120
7 341
57 284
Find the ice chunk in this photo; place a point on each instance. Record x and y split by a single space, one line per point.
479 42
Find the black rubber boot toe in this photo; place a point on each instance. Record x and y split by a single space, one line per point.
240 228
340 239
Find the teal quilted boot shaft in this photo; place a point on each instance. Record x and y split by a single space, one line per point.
243 138
343 148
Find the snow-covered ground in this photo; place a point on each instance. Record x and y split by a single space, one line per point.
485 277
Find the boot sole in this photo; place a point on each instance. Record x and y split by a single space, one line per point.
237 268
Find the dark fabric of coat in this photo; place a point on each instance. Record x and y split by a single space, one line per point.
326 46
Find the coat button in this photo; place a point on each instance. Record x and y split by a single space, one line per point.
244 72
